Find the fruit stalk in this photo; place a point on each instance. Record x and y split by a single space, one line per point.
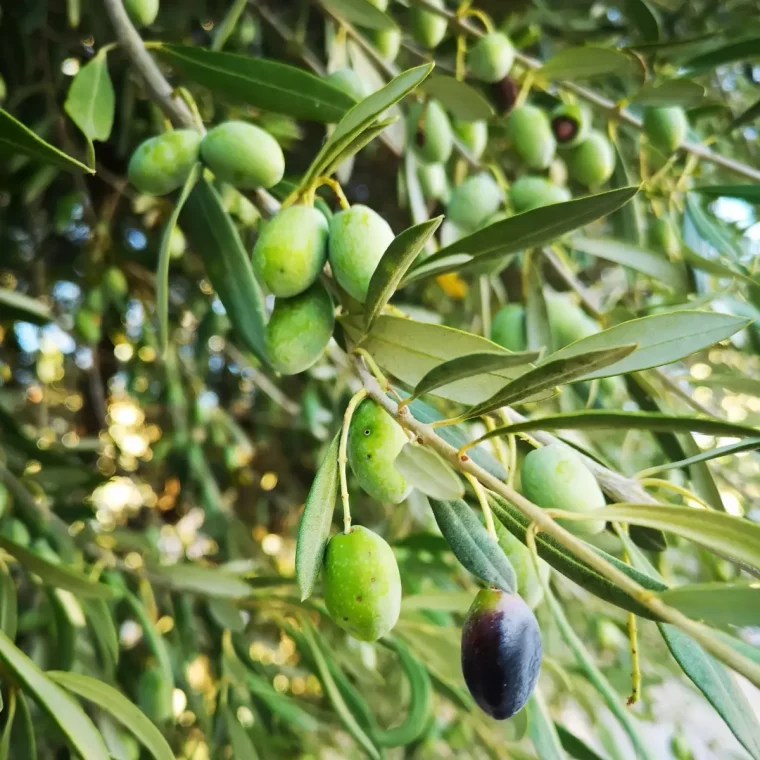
356 399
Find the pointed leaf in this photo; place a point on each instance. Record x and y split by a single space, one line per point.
461 100
240 742
427 472
749 444
572 64
359 142
314 528
8 603
264 84
91 101
119 707
475 549
574 746
100 621
398 257
361 12
205 581
674 92
734 51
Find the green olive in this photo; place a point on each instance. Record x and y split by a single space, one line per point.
570 125
491 57
433 181
666 127
161 164
567 320
115 283
531 137
244 155
291 250
88 325
429 131
508 327
428 28
529 192
474 201
473 135
593 161
663 237
141 12
387 42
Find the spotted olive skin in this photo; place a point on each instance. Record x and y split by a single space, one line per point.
427 28
348 81
555 477
291 250
477 198
530 191
362 584
141 12
161 164
299 330
570 125
508 327
593 161
244 155
665 127
663 237
531 136
501 652
387 42
428 130
473 135
529 582
358 239
374 441
491 57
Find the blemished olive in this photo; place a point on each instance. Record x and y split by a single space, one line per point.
429 132
501 652
570 125
161 164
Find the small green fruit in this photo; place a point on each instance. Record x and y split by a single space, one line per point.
358 239
95 300
154 695
663 237
508 327
555 477
362 585
593 161
244 155
434 182
177 243
246 31
491 57
299 330
531 136
477 198
570 125
666 127
161 164
387 42
3 89
374 441
428 129
348 81
473 135
568 321
141 12
88 325
529 192
428 28
291 250
115 283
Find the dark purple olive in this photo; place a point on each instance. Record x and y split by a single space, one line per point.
505 93
501 652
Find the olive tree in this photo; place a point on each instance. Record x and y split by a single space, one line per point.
379 379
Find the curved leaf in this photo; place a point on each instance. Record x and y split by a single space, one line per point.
428 472
461 100
749 193
674 92
361 12
205 581
91 100
587 63
541 730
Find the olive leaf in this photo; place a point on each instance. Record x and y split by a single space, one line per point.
211 582
475 549
717 603
589 62
542 731
749 193
361 12
314 528
424 469
460 99
674 92
91 101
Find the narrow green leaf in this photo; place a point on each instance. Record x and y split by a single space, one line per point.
749 444
15 138
427 472
91 101
100 621
23 742
541 730
735 51
361 116
472 545
654 265
60 707
461 100
359 142
718 604
574 746
644 18
164 258
18 306
749 193
8 603
314 528
258 82
471 365
730 382
361 12
204 581
527 230
10 715
119 707
228 266
710 230
661 338
538 332
572 64
392 267
59 576
674 92
711 266
548 375
747 116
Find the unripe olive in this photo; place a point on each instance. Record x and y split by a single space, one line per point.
529 192
474 201
428 28
501 652
358 239
663 237
530 584
115 283
530 134
95 300
665 127
177 243
154 695
387 42
374 441
88 325
570 125
161 164
567 320
246 30
300 329
291 250
473 135
593 161
428 130
508 327
362 584
348 81
491 57
141 12
244 155
555 477
433 181
3 89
